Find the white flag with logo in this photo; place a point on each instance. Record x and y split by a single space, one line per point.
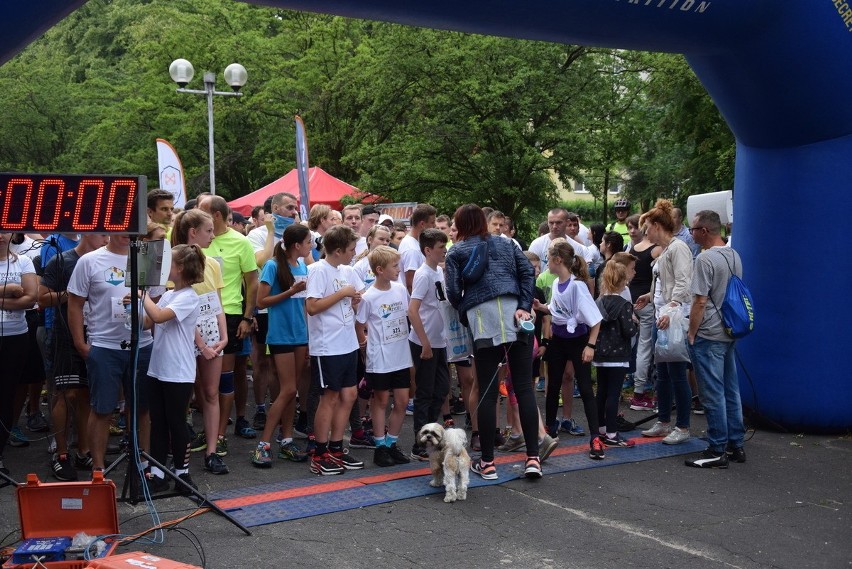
171 172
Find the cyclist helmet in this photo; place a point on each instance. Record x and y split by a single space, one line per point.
621 203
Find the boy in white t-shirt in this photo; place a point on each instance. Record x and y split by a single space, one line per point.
382 329
427 340
333 294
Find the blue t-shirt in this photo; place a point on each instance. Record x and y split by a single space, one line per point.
53 245
288 325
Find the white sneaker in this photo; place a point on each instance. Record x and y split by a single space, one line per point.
658 430
677 436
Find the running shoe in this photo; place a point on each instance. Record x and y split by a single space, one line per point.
486 471
382 457
397 455
409 408
259 421
532 469
186 479
546 447
291 451
222 446
214 464
62 468
596 449
418 452
708 459
17 438
243 429
512 444
618 441
261 456
199 442
677 436
324 465
539 385
658 430
571 427
36 423
364 441
346 460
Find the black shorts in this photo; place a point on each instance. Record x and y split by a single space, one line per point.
398 379
276 349
467 362
335 372
69 368
262 320
234 345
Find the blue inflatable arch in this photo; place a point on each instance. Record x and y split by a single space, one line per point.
780 71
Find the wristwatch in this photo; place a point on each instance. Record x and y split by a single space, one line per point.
249 320
591 345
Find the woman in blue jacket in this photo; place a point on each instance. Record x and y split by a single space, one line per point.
494 301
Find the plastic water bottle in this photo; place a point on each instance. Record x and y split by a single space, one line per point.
662 338
128 319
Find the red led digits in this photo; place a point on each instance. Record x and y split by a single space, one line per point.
72 203
21 207
125 201
93 205
45 205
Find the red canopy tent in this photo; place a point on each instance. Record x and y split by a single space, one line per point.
324 188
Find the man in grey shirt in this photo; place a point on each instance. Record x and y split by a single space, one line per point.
711 349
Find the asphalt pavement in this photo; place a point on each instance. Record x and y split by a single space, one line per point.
786 507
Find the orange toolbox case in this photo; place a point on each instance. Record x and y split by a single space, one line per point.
64 509
135 560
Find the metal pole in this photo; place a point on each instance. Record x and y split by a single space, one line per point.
209 86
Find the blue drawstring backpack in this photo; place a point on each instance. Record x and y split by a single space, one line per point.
737 306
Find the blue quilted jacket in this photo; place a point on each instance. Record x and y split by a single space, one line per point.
508 273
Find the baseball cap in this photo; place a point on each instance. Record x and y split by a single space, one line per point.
385 217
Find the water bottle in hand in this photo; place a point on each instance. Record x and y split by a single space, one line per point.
662 338
128 320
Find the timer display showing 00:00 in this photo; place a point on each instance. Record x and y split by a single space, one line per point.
71 203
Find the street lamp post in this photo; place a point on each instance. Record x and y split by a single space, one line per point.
235 74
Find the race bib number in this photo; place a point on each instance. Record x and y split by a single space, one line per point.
394 330
11 316
118 311
209 305
300 279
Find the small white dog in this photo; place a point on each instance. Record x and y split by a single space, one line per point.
448 459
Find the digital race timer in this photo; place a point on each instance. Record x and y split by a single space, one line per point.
71 203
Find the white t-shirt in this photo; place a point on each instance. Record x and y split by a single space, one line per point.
14 322
573 305
364 272
99 277
424 288
332 331
410 256
360 246
28 247
540 245
174 340
385 314
257 238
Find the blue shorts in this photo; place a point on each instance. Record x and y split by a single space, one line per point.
109 373
335 372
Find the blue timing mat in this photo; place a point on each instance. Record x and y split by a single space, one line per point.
294 499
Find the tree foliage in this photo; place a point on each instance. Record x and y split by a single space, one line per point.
411 114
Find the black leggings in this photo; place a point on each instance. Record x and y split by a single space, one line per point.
519 355
167 402
559 352
610 380
13 352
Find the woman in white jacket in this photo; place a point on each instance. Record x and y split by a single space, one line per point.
674 270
